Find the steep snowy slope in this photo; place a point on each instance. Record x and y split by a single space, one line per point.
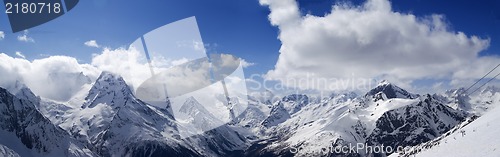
277 115
5 151
94 119
26 131
479 138
414 124
103 100
136 128
249 122
315 126
294 102
283 109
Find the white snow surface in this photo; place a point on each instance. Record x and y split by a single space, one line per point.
479 138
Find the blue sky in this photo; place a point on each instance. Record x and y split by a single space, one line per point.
238 27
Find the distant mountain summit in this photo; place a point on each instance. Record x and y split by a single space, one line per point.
386 90
108 88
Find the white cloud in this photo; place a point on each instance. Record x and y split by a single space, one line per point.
19 54
56 77
246 64
130 64
92 43
61 77
372 41
25 38
2 35
180 61
198 46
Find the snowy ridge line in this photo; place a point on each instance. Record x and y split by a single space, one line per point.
435 142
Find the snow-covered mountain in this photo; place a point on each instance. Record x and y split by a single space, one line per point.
476 103
386 115
414 124
386 90
284 108
119 124
6 151
26 132
473 137
278 114
104 118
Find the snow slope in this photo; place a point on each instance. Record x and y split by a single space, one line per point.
26 131
478 138
6 151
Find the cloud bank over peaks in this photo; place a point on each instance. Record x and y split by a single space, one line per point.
55 77
374 42
59 78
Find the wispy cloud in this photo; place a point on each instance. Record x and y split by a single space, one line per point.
2 35
25 38
245 64
92 43
20 54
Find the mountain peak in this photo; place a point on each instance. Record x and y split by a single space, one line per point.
107 79
296 98
108 88
294 102
191 107
20 90
456 92
109 75
383 83
386 90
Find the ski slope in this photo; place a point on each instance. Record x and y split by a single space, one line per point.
479 138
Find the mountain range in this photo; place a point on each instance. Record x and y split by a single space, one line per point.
105 118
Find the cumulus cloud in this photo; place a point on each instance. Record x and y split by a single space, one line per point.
25 38
180 61
61 77
19 54
92 43
2 35
128 63
374 42
55 77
